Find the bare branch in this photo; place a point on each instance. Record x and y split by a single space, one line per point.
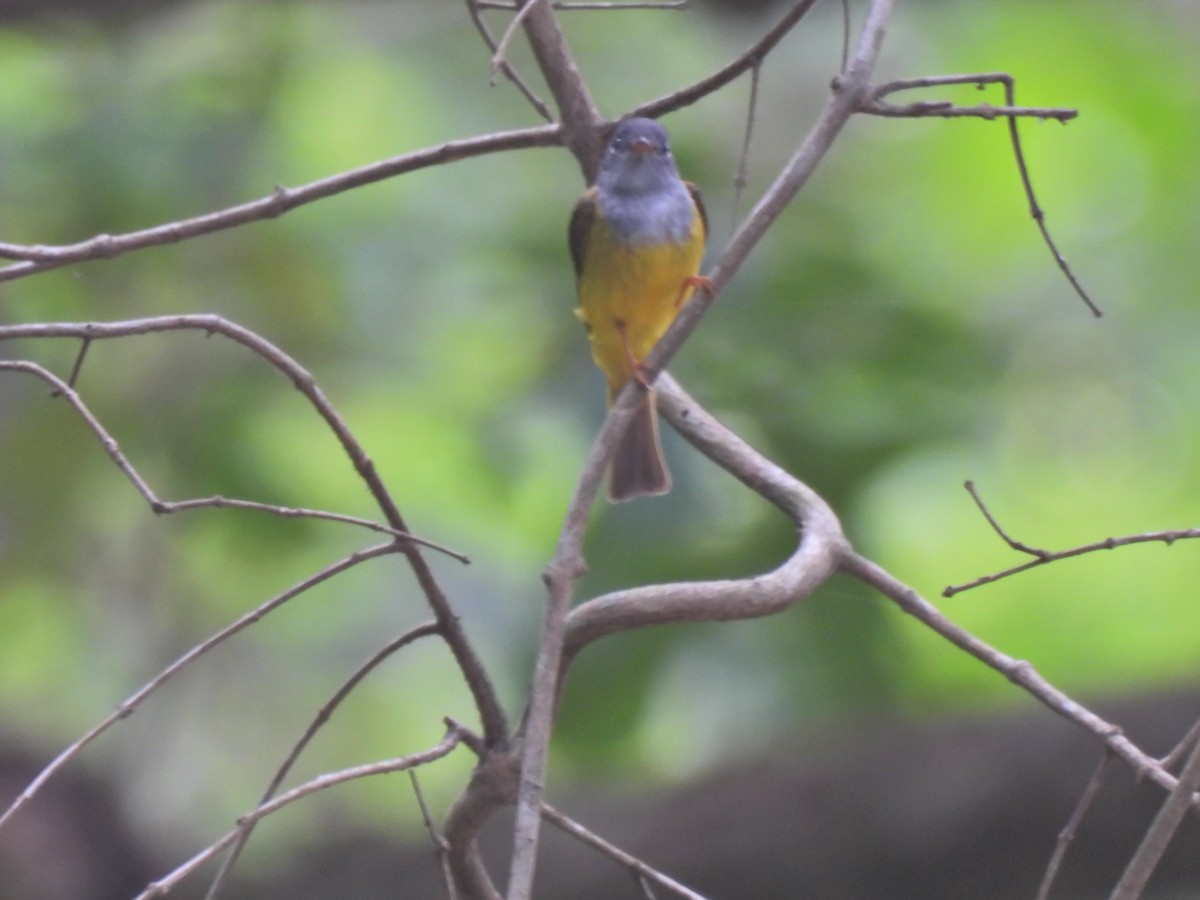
509 72
1019 672
1166 537
581 120
171 880
1145 860
491 714
749 59
323 716
39 258
501 54
636 866
135 700
874 105
440 847
1067 835
741 179
1012 542
166 507
816 557
1190 740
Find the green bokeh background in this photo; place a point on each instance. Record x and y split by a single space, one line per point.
901 329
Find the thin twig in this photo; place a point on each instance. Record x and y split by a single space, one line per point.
845 34
483 692
1165 537
1019 672
875 105
501 54
1067 835
741 179
135 700
323 716
749 58
1191 739
640 869
38 258
172 879
509 72
167 507
436 840
1158 836
1012 542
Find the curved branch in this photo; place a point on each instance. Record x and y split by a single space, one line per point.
38 258
818 554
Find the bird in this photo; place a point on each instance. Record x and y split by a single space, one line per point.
636 238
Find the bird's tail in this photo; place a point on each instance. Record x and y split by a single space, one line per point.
638 468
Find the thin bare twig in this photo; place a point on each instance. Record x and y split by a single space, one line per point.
1067 835
875 105
1012 542
38 258
1190 740
501 54
78 365
751 57
636 866
1019 672
509 72
491 713
399 764
166 507
1165 537
323 716
741 179
1154 844
135 700
582 123
845 34
438 842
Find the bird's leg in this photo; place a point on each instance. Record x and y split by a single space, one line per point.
697 282
636 367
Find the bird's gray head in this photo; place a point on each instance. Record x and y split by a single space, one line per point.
638 159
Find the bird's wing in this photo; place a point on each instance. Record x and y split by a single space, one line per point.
580 229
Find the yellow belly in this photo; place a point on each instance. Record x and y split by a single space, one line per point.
640 289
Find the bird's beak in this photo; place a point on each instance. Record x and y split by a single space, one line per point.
641 147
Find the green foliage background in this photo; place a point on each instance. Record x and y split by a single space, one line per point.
901 329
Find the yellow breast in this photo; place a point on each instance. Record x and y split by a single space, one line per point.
640 288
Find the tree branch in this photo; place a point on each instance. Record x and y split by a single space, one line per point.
323 715
491 714
163 885
128 707
38 258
